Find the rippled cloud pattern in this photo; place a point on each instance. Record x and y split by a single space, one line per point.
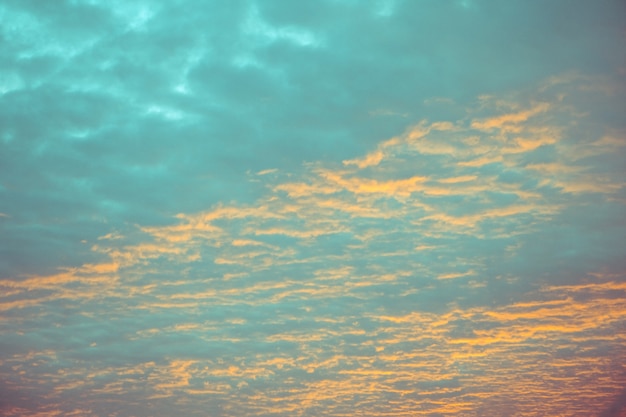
333 208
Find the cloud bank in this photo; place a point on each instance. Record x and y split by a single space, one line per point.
342 209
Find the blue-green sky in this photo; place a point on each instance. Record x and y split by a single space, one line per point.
312 208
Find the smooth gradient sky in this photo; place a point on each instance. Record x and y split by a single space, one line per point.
312 208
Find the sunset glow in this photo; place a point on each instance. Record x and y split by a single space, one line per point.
326 208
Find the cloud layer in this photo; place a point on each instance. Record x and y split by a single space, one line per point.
265 209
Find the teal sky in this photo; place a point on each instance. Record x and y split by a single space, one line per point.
322 208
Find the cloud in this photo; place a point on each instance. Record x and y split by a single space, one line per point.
509 122
330 208
395 280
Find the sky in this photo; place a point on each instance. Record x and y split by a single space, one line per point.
325 208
